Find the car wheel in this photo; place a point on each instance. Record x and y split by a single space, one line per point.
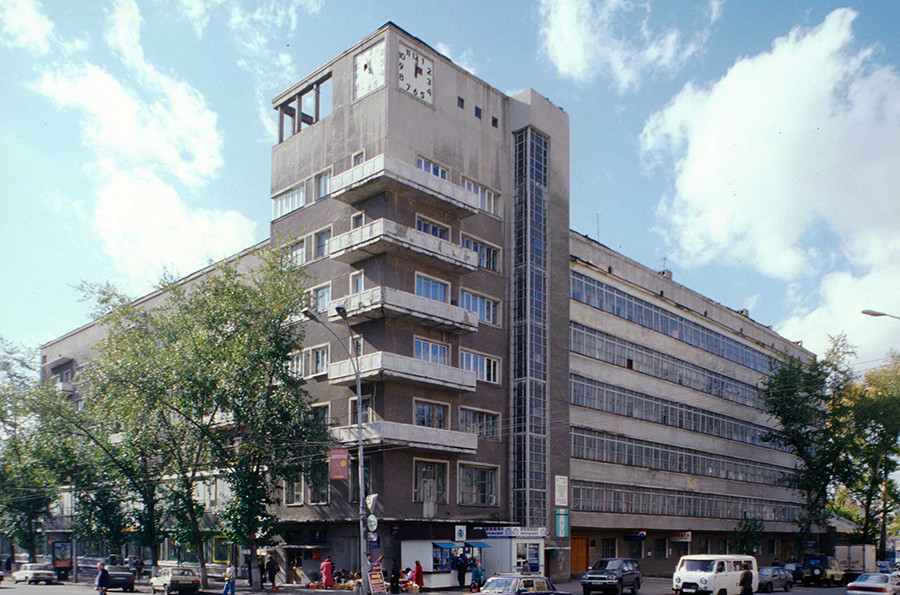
636 586
586 591
787 586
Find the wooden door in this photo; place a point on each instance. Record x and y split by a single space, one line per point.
580 551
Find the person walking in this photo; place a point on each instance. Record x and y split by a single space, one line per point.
272 569
746 580
327 570
230 578
419 576
462 566
477 576
102 579
395 576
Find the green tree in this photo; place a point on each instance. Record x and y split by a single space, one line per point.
747 536
812 403
100 517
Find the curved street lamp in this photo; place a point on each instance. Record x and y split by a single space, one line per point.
354 359
876 313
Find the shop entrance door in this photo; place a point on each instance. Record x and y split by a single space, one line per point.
580 551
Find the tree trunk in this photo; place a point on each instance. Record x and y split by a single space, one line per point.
201 560
256 583
32 542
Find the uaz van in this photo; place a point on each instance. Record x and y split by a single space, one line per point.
712 574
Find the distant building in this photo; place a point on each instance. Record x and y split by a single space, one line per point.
530 396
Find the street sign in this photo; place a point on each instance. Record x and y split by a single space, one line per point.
372 522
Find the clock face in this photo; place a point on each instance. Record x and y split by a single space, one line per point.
415 74
369 69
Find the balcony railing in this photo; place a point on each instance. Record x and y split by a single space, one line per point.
379 302
409 435
383 235
387 173
383 365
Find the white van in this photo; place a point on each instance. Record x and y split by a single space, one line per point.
712 574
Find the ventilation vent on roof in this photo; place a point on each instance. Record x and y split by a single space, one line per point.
744 312
665 273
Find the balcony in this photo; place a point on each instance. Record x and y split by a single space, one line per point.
387 433
384 365
381 302
382 173
385 236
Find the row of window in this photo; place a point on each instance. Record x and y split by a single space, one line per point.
592 496
461 103
477 485
488 254
488 201
586 392
614 350
594 445
295 198
597 294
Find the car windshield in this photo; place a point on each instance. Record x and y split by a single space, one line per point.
500 585
698 565
872 578
814 562
790 566
608 565
766 570
182 572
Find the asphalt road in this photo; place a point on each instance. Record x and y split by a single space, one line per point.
651 586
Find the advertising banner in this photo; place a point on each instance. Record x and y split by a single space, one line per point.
339 464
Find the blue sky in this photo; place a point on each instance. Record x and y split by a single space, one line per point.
753 148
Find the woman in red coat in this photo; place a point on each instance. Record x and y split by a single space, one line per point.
327 570
418 576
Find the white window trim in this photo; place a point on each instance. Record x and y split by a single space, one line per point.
355 154
499 361
308 499
352 418
446 406
361 215
433 278
307 352
436 222
496 468
297 242
312 235
497 203
313 303
436 342
362 275
326 406
446 463
284 487
433 162
278 195
497 301
463 235
489 411
315 178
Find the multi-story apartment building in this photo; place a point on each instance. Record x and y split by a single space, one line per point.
529 396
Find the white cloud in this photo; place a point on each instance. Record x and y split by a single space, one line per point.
198 12
586 38
464 60
146 227
790 164
23 24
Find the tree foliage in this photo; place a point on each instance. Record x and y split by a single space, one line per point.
747 536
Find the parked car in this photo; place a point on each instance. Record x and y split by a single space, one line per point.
172 580
884 566
774 577
612 575
34 573
120 577
514 584
799 571
823 570
875 583
705 574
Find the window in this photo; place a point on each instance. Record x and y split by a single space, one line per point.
429 482
354 478
320 243
298 253
487 200
320 297
660 551
431 288
321 412
358 158
482 423
317 491
488 256
494 121
431 228
366 411
460 102
293 491
477 112
295 364
356 346
431 415
608 547
356 221
323 184
289 201
432 168
486 308
477 485
487 369
436 353
636 550
316 362
357 282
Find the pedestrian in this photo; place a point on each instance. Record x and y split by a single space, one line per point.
102 578
409 574
139 567
272 569
327 570
746 580
419 575
461 567
477 576
395 576
230 576
262 572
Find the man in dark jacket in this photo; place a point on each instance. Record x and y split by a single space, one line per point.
462 566
746 580
102 578
272 569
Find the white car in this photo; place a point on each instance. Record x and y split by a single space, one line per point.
34 573
877 583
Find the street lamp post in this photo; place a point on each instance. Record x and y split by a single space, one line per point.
882 546
360 465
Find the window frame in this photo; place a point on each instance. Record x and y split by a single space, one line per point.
358 154
360 276
477 189
299 247
498 314
498 427
443 172
436 404
498 361
308 364
315 236
434 223
428 341
357 216
477 465
314 300
475 239
367 419
325 174
415 488
438 280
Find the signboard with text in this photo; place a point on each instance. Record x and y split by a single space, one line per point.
339 464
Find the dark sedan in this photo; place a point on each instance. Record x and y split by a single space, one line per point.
515 584
774 577
120 577
612 575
